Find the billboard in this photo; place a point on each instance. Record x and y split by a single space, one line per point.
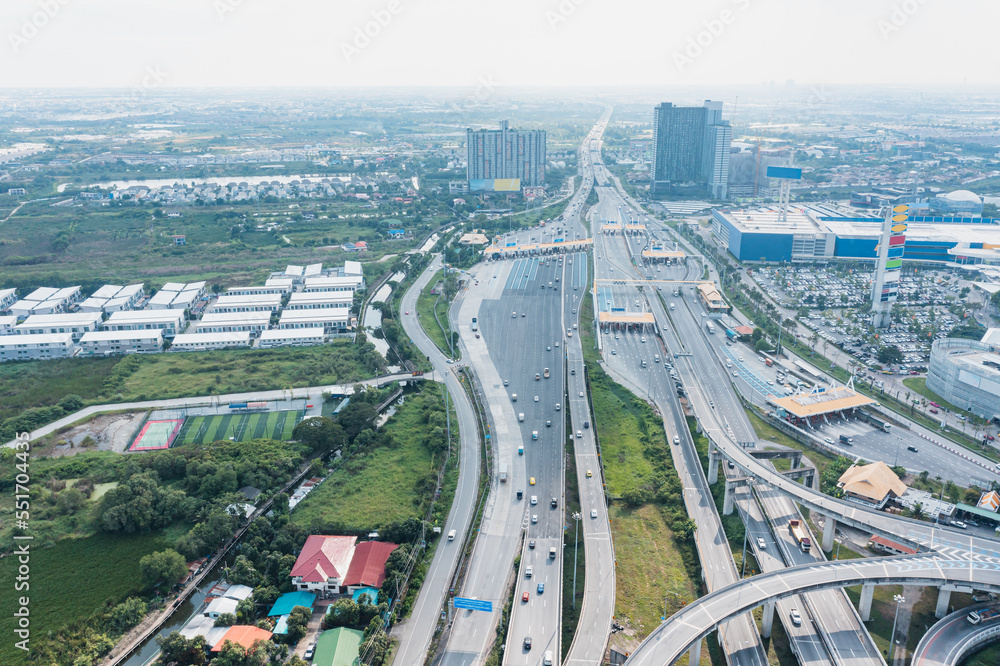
790 173
495 185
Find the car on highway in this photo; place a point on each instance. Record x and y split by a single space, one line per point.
912 448
711 403
524 598
527 642
531 480
534 518
541 588
614 353
531 545
593 513
795 617
505 382
761 543
828 440
548 424
407 312
589 474
642 339
549 348
536 398
527 571
513 315
933 411
524 314
736 373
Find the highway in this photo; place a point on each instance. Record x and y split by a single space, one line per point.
709 384
953 636
625 353
418 630
830 631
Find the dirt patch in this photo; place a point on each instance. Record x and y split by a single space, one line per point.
106 432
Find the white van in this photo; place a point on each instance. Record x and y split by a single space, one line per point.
547 660
534 434
520 417
451 535
520 450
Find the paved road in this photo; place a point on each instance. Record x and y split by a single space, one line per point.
418 630
952 637
630 348
670 640
313 394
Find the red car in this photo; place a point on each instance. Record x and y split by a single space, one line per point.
524 598
933 411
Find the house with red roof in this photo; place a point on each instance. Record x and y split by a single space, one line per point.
330 565
368 565
244 636
323 563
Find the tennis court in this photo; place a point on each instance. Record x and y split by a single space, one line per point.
157 435
239 427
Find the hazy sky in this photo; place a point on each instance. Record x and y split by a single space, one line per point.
214 43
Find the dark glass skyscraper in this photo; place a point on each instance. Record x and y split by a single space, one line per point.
690 150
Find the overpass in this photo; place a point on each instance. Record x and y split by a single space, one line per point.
668 643
953 637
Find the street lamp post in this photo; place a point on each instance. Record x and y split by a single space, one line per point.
898 598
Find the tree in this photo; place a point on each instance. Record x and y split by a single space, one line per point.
242 572
127 614
175 649
890 354
166 565
319 433
298 623
140 504
225 620
343 613
757 334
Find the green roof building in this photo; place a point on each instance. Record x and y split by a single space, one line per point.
338 647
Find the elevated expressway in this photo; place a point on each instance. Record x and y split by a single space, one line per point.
950 559
952 638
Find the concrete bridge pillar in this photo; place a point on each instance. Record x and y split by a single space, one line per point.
713 465
694 654
768 620
729 502
828 531
865 603
944 597
797 460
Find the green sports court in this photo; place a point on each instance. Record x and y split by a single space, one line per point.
239 427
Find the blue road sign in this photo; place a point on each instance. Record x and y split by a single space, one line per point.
618 309
473 604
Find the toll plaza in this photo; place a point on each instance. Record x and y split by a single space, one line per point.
611 228
514 250
807 409
661 256
635 229
626 321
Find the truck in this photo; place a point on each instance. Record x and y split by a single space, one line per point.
844 439
711 327
546 373
983 616
503 472
877 422
731 334
797 530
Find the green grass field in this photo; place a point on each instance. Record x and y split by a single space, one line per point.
384 485
71 581
240 427
425 313
43 383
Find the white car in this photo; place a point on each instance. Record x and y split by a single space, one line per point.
642 339
761 543
593 513
534 518
536 398
796 618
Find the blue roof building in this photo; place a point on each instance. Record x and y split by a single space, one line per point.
289 600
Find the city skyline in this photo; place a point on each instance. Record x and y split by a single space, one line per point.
240 43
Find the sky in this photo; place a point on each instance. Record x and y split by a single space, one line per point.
551 43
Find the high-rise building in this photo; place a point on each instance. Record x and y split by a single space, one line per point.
506 154
690 150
